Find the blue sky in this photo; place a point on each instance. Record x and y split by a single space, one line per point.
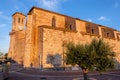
105 12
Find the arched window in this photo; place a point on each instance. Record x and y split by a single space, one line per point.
70 27
92 31
13 20
108 34
53 21
18 20
22 20
118 37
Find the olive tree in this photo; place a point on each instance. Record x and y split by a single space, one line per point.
97 54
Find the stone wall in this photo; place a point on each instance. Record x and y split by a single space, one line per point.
17 46
54 39
29 42
108 33
45 18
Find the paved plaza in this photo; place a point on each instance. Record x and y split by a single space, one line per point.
64 76
17 73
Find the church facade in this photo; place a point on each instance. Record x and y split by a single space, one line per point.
42 32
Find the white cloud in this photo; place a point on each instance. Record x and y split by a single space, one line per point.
1 13
90 20
3 16
2 25
116 5
102 18
16 7
50 4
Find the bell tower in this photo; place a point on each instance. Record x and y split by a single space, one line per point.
18 21
17 37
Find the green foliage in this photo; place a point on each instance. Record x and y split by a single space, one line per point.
1 53
6 55
96 54
104 55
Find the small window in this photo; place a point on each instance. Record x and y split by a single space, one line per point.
70 27
108 34
119 37
22 20
18 20
92 31
53 22
14 20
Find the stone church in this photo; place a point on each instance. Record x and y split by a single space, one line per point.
42 32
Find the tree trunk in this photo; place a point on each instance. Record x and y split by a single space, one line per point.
85 71
85 76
